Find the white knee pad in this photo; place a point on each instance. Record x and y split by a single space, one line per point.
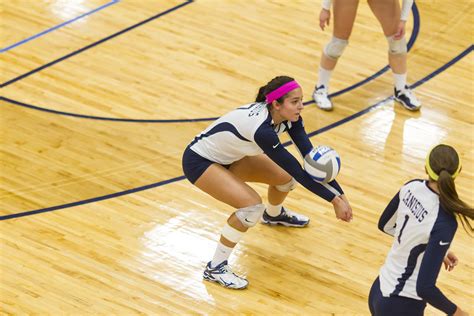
335 47
287 187
231 234
250 215
397 47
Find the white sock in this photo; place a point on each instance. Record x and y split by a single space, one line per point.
323 77
274 210
400 81
222 253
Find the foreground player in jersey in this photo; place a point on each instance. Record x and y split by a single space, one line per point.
243 146
422 218
392 20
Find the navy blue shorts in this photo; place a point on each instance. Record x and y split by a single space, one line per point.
393 306
195 165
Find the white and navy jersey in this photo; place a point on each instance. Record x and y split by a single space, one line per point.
423 231
250 131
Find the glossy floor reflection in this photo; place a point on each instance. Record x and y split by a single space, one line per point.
144 252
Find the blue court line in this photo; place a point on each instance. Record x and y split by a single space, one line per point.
57 26
411 42
95 44
380 103
319 131
101 118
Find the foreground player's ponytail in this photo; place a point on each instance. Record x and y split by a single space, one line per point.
443 165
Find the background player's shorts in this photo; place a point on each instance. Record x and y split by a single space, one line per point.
393 306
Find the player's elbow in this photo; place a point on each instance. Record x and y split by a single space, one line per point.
426 292
380 226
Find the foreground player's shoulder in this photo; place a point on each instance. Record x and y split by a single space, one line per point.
414 181
254 109
256 113
410 185
248 118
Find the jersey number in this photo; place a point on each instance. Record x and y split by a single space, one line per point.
403 227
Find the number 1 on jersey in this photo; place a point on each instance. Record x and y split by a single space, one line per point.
403 227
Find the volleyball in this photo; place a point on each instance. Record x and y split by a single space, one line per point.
322 163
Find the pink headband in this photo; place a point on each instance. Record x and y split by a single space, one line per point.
281 91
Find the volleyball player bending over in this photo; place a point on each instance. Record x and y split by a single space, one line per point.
243 146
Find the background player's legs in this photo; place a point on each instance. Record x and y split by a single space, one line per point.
344 13
388 14
263 170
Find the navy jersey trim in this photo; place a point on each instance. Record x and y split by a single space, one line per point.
414 180
426 183
411 264
247 107
389 215
222 127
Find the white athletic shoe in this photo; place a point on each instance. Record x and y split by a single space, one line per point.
223 275
286 218
407 98
320 96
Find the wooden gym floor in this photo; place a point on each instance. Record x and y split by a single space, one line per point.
100 98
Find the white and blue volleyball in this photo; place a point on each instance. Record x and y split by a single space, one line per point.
322 163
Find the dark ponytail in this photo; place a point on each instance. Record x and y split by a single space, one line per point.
273 84
261 95
444 164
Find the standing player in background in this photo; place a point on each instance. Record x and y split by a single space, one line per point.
393 23
243 146
422 218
